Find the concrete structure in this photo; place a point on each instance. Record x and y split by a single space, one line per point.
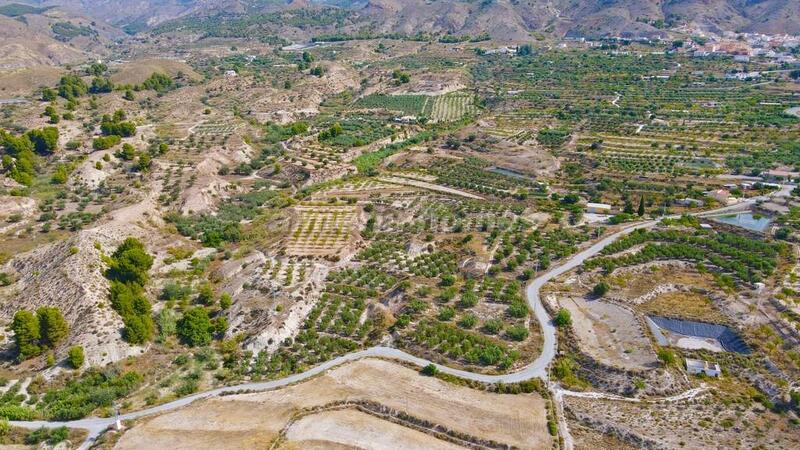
688 202
722 195
598 208
697 366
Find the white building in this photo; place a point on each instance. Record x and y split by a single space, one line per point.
598 208
697 366
722 195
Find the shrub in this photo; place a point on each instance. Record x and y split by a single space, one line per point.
493 326
563 318
600 289
94 389
430 370
76 357
105 142
666 356
194 328
517 333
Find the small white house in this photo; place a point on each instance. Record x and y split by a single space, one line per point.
697 366
230 74
598 208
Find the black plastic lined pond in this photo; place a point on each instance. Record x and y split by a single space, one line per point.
729 339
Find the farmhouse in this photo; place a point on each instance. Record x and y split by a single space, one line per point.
722 195
598 208
697 366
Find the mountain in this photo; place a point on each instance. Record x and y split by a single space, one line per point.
502 19
31 35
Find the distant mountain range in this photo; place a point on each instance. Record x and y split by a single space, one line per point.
501 19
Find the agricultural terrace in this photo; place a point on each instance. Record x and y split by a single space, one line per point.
733 256
449 107
657 114
321 230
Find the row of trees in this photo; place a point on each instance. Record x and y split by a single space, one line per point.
37 332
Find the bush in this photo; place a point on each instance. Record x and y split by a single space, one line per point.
194 328
563 318
493 326
666 356
600 289
430 370
105 142
517 333
16 412
94 389
76 357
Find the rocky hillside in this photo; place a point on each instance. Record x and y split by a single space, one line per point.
502 19
39 36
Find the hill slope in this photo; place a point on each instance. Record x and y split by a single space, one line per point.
512 19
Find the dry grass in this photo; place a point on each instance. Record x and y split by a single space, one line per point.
135 72
686 305
24 81
248 420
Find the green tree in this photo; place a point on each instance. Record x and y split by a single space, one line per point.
75 357
45 140
138 328
26 334
101 85
128 152
195 327
144 162
60 175
130 263
640 212
48 95
53 326
205 295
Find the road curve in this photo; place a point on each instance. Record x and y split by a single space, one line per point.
537 369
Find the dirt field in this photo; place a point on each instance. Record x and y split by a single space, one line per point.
253 420
354 429
610 333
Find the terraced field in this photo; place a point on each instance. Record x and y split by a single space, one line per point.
321 230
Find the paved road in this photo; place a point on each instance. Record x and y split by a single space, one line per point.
537 369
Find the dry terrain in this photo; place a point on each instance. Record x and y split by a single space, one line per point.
248 420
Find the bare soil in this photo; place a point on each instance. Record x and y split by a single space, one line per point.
242 421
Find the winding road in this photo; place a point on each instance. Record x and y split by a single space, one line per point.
537 369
